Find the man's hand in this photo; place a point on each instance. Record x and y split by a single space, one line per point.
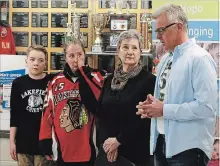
112 156
13 152
110 145
150 108
140 105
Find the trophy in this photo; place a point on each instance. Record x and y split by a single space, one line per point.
73 29
120 6
75 22
146 31
99 23
127 8
68 33
112 7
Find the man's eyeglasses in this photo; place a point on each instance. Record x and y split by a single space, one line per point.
162 29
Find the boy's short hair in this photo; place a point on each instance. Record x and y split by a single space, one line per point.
37 48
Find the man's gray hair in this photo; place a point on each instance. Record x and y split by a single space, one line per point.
130 34
174 13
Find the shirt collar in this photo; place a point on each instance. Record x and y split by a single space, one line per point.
182 47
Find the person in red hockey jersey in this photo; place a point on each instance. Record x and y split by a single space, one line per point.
67 120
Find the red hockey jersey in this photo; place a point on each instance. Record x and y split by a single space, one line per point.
68 105
213 163
7 43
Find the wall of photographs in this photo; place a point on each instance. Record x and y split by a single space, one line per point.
44 22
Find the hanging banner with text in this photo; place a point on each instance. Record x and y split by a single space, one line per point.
195 9
201 30
6 79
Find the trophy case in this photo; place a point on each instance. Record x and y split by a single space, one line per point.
45 22
123 15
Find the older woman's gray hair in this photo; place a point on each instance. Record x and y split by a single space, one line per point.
174 13
130 34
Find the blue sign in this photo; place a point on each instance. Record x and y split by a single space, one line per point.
201 30
6 79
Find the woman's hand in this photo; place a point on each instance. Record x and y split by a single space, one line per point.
112 156
81 61
13 152
49 157
110 145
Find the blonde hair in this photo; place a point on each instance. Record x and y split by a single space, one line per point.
37 48
74 42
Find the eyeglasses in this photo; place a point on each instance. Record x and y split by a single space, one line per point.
162 29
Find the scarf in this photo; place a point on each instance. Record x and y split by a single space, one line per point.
120 77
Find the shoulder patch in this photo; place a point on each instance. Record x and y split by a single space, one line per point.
95 76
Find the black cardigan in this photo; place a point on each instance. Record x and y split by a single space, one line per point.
117 116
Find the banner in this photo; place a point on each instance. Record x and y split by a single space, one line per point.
11 67
6 79
195 9
203 31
